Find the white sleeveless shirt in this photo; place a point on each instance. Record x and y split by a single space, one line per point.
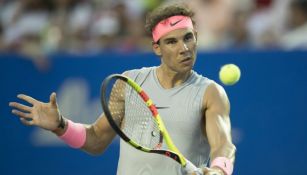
182 113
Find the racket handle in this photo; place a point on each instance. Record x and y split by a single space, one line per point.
191 168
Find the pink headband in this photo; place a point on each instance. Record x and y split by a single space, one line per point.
170 24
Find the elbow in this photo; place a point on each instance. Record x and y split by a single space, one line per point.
95 151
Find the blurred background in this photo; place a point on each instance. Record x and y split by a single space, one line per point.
70 46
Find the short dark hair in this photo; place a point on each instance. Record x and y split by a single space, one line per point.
163 12
301 4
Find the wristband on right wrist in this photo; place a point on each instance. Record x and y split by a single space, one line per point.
224 164
75 134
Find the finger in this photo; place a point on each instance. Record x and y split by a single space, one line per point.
20 106
53 99
205 169
27 98
208 171
213 173
26 122
21 114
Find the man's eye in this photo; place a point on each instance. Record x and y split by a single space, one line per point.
171 42
189 37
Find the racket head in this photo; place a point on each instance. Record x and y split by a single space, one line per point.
128 114
120 93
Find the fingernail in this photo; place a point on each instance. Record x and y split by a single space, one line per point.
13 111
10 103
19 95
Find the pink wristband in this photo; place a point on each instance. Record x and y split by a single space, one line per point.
75 135
224 164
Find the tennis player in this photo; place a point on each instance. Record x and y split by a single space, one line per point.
194 108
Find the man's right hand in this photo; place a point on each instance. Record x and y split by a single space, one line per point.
44 115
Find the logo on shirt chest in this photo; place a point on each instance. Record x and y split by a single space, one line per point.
161 107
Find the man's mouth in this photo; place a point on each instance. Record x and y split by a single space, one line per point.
187 59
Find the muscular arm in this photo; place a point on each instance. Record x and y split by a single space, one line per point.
100 134
47 116
217 123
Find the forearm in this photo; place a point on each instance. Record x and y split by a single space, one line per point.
96 143
90 138
222 154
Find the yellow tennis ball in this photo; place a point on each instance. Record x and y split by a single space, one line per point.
229 74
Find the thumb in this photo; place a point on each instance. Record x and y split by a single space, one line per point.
53 99
210 171
205 170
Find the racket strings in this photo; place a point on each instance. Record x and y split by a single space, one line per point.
144 129
116 101
132 115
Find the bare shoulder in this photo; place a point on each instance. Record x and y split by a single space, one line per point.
215 89
216 97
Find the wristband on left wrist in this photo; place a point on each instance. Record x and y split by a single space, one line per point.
224 164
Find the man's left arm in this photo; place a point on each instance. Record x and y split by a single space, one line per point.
218 130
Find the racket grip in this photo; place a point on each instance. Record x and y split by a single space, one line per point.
191 168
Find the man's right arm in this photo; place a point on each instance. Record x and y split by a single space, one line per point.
90 138
98 135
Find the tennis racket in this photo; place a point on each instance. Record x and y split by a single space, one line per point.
134 117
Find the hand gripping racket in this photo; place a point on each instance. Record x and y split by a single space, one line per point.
134 117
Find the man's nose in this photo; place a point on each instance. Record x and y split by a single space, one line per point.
183 48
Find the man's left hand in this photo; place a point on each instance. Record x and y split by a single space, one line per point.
212 171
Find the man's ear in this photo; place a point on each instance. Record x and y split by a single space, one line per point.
196 35
156 48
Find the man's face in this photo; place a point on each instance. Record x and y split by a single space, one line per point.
178 50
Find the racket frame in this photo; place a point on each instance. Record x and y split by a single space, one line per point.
173 151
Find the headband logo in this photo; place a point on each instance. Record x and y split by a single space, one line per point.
173 24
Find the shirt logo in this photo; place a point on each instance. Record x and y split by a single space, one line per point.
161 107
173 24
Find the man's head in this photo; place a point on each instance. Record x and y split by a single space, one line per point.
298 13
174 36
164 12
